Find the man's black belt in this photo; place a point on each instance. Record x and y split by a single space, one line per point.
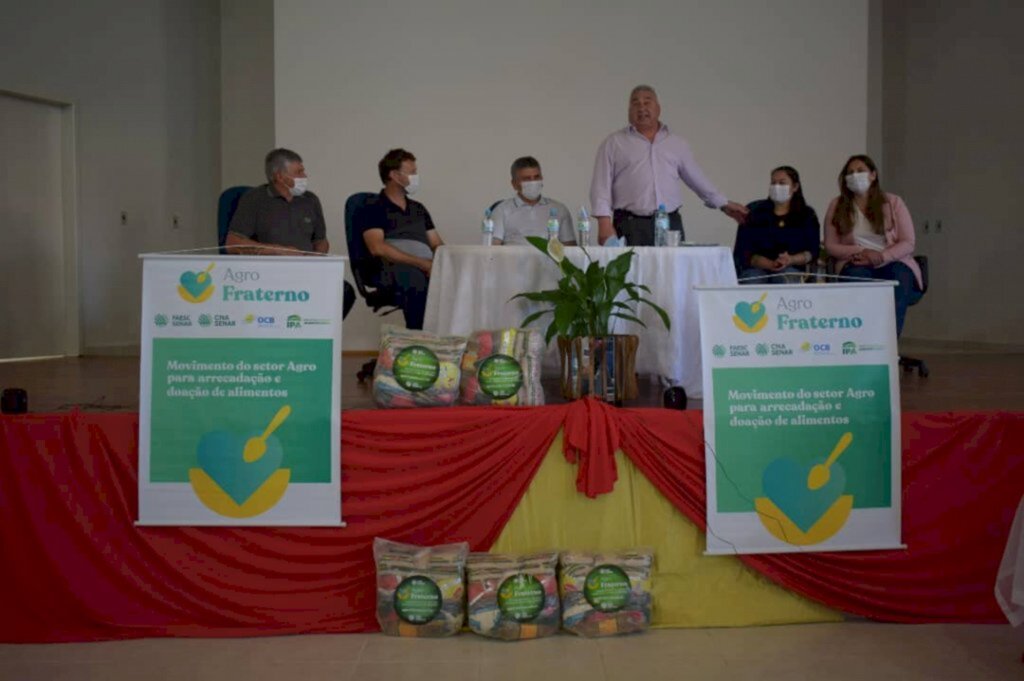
621 213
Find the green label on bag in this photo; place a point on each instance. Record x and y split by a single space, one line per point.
521 597
607 588
416 368
500 376
417 599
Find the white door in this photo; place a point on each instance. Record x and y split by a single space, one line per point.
33 309
957 141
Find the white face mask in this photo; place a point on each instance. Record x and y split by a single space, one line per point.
858 183
299 186
413 186
531 190
779 193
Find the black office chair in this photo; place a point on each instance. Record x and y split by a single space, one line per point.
366 270
906 361
226 207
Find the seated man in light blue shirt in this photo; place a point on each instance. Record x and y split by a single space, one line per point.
527 213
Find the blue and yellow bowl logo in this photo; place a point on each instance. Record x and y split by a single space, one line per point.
805 505
750 317
241 476
196 287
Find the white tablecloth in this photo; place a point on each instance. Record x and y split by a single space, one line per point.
1010 579
470 287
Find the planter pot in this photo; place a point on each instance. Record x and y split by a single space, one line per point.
604 367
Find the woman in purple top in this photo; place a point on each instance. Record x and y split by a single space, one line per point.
781 234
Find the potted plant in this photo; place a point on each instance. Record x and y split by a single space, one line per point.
583 308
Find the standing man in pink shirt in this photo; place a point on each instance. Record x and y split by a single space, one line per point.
639 167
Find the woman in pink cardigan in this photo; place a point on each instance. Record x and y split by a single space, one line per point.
870 233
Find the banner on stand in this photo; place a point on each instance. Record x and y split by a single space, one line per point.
240 397
801 417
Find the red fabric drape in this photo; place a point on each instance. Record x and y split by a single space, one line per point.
74 566
963 476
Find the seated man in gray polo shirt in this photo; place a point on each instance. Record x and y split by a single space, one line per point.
401 233
527 213
281 217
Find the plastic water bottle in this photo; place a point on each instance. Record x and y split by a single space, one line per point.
553 223
487 228
660 226
583 228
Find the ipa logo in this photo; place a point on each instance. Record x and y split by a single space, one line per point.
750 317
196 287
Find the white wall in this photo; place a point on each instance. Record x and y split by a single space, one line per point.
143 76
876 80
247 89
468 86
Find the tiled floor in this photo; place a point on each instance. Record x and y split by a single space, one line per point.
837 652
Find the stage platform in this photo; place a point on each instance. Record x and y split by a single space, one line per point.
576 476
84 571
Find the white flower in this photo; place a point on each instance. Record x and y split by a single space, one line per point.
556 250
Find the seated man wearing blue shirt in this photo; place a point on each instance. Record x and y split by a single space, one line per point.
401 233
527 213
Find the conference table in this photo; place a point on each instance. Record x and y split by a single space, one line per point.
471 287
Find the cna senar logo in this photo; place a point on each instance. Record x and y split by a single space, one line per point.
196 287
750 317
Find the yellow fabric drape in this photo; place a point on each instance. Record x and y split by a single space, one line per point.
690 589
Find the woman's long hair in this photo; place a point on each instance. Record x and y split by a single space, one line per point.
797 202
844 215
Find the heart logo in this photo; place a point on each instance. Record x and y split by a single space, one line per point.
191 282
750 317
195 287
220 454
784 482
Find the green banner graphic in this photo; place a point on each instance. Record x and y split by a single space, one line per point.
240 417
